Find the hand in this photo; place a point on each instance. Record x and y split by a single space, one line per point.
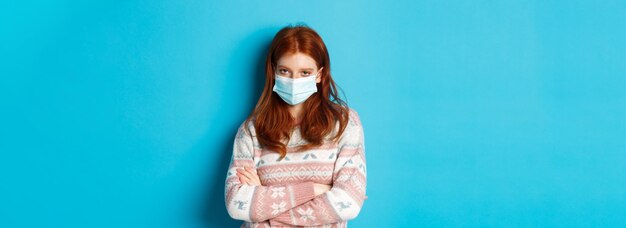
320 188
249 176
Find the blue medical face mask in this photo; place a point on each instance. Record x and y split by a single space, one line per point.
295 91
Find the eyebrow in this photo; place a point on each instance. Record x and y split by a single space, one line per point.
311 69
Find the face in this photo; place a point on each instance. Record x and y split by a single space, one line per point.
298 65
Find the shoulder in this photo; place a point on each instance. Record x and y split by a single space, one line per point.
353 118
246 128
353 132
353 126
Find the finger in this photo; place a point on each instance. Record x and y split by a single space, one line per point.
252 176
242 175
247 180
248 174
244 180
254 171
250 169
257 178
243 172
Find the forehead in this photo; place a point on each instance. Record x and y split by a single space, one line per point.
296 61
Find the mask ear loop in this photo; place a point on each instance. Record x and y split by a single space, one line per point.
318 73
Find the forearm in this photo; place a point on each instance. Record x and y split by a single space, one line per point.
260 203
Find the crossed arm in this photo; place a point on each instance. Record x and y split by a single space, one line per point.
307 203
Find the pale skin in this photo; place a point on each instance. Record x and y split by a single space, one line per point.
293 66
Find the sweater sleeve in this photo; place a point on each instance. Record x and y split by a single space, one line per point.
258 203
346 197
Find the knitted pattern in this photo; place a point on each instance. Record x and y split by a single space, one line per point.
286 197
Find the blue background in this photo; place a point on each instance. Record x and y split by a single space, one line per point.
476 113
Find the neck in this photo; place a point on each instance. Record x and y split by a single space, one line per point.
296 112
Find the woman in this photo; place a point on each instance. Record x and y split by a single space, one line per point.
299 158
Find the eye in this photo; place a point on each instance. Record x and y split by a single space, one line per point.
306 73
282 71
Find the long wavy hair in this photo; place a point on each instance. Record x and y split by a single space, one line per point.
323 112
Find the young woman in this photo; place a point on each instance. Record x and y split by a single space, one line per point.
299 158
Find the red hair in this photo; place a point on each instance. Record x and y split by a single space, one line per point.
322 111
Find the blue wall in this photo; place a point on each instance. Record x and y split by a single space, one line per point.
476 113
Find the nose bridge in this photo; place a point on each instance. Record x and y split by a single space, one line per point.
295 74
